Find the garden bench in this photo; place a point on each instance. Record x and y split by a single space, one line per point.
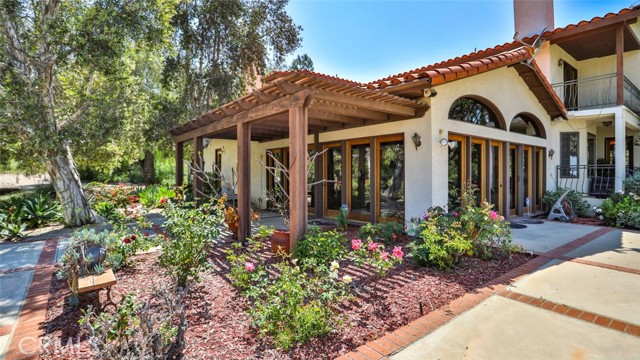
96 283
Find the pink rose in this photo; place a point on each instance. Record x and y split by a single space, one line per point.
455 214
384 255
397 252
249 266
356 244
494 215
373 246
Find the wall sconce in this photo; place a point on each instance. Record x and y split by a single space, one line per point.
416 140
560 62
607 123
551 152
444 142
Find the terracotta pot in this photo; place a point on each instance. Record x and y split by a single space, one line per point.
233 227
280 241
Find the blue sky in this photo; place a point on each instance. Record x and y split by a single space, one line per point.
368 40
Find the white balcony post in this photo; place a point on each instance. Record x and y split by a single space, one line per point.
620 166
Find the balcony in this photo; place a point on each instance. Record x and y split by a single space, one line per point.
596 92
593 180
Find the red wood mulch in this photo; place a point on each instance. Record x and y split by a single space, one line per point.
219 327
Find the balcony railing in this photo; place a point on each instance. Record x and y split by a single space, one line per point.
594 180
596 92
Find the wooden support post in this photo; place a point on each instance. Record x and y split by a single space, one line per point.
198 174
520 180
487 174
506 182
244 180
373 181
318 191
179 163
346 162
298 129
620 66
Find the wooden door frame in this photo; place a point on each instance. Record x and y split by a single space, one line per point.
349 143
378 141
335 145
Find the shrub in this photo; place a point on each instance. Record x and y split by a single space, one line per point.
319 247
108 211
193 229
155 196
474 230
386 232
295 307
632 183
580 206
21 212
374 254
622 210
150 330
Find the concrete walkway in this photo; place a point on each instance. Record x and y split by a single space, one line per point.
583 303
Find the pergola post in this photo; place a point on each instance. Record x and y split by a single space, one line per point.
179 163
198 174
298 129
244 180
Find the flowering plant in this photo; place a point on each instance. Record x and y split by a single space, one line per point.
374 254
342 217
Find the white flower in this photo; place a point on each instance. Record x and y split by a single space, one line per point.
347 279
294 261
334 266
601 217
333 275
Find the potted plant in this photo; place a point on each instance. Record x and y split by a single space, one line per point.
280 237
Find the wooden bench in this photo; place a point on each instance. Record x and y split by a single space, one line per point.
96 283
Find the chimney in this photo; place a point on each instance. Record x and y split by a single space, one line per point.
531 16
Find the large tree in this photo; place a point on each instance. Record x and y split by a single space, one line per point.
62 82
222 46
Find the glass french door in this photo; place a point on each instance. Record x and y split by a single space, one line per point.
390 187
456 170
333 170
494 172
532 164
359 180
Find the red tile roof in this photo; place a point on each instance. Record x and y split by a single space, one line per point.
593 20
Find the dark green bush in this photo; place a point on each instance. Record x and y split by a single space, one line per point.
580 206
319 247
386 232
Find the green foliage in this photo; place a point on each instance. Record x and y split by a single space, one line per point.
155 196
441 243
473 231
580 206
632 183
27 211
109 211
302 62
621 210
193 230
319 247
386 232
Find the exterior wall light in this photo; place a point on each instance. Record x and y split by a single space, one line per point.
551 152
416 140
444 142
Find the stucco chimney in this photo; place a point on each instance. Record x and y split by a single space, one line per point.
532 15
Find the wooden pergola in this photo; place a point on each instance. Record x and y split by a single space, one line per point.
290 105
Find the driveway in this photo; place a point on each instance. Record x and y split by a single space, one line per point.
583 303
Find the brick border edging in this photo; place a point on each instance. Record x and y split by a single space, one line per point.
570 311
34 309
402 337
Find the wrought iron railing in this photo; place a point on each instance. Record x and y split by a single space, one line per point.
594 180
595 92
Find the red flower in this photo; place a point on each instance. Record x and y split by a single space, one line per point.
163 200
146 234
127 240
133 237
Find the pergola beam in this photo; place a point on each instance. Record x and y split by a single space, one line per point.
332 97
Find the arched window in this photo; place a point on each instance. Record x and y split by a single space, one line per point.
527 124
476 111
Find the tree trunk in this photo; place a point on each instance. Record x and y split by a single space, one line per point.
66 181
148 168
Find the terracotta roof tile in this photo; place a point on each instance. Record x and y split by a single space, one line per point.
280 74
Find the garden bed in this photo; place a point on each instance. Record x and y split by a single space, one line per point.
219 327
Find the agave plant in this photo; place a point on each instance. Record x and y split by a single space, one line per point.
41 210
